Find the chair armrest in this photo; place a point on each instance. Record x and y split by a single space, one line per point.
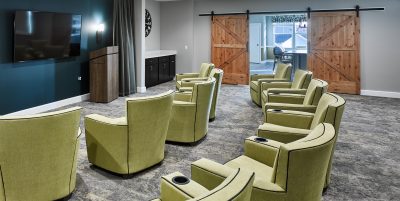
181 76
183 96
285 98
255 77
208 173
286 106
281 133
195 79
268 85
191 83
106 140
289 118
186 89
287 91
263 152
271 80
171 191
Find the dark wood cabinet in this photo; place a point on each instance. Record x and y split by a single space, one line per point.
159 70
172 67
151 77
104 75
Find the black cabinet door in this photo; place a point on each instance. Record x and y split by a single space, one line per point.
172 67
163 72
151 75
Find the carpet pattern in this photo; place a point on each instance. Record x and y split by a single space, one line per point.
366 162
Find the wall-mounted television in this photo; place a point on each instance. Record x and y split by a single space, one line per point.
46 35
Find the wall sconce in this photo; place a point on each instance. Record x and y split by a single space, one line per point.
99 32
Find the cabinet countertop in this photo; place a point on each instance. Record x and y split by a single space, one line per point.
159 53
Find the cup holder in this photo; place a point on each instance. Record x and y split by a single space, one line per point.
180 180
277 110
260 139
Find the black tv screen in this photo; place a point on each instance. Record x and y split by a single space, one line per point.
46 35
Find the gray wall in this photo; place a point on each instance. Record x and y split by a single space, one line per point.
153 40
379 33
177 32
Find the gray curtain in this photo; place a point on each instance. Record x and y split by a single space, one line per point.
123 36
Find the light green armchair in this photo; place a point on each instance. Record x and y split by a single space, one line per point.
133 143
287 126
283 172
300 82
38 155
282 74
218 75
203 75
291 99
236 187
190 113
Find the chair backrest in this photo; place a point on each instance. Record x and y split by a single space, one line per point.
314 92
218 75
329 110
283 71
38 155
148 120
300 166
236 187
205 69
300 79
202 95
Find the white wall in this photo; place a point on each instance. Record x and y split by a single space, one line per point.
140 45
153 40
380 60
177 32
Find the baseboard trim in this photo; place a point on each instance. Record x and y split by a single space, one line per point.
51 106
141 89
386 94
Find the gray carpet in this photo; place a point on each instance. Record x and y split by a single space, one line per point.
366 162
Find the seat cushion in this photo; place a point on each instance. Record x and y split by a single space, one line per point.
263 172
254 85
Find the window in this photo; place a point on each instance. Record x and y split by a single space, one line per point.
290 31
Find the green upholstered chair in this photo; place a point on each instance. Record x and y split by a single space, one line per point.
202 75
218 75
282 74
132 143
38 155
283 172
236 187
190 113
292 99
287 126
301 81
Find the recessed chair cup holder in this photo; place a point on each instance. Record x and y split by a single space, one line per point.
274 110
260 139
180 180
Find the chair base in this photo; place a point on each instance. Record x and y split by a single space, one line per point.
211 120
66 197
125 176
189 144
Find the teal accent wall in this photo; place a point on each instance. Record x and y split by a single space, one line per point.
34 83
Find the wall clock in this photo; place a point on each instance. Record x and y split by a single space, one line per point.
148 23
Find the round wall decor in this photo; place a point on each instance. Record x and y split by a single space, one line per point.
148 23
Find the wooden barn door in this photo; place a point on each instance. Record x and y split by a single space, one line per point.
334 50
230 35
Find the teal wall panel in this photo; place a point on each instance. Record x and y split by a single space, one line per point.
34 83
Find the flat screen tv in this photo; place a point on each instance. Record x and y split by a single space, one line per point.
46 35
